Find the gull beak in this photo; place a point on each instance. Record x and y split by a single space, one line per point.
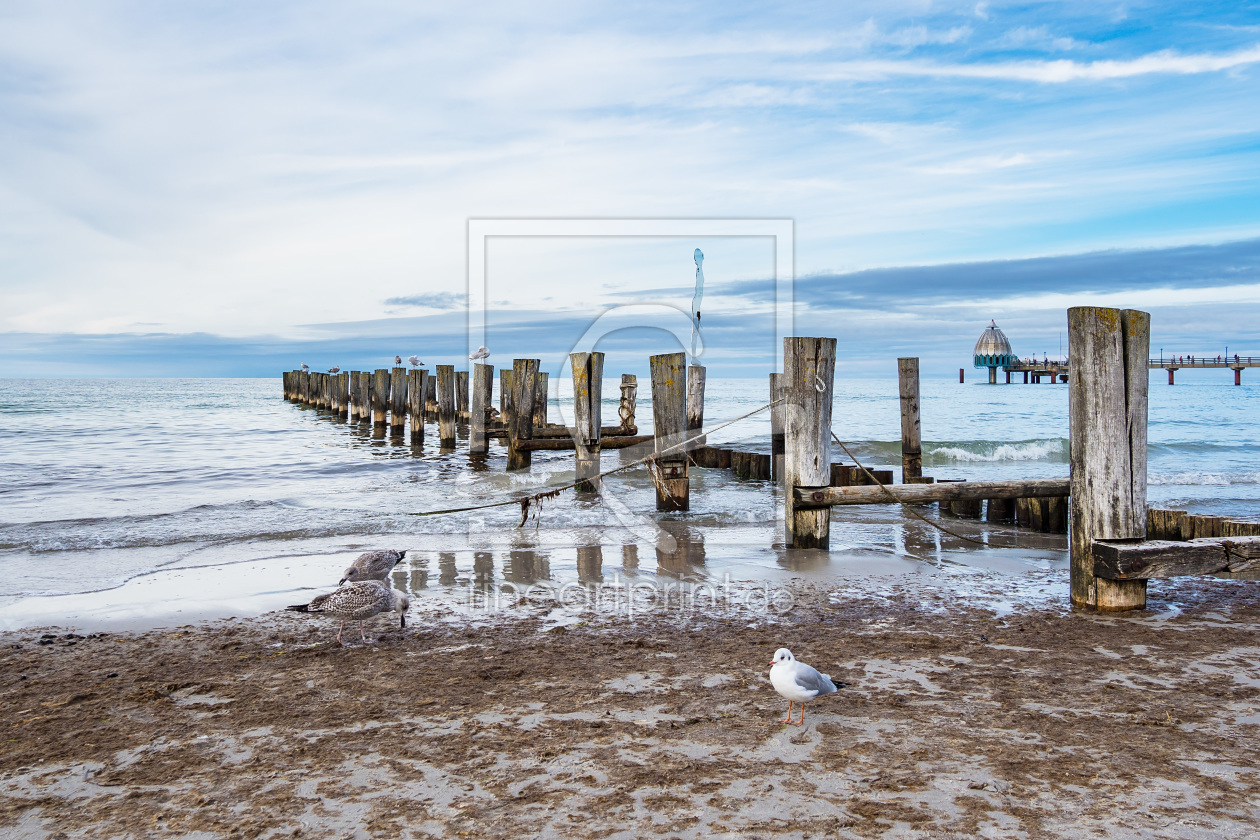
341 582
403 621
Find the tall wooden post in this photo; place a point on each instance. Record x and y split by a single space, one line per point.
695 403
446 406
505 397
365 395
461 395
524 389
776 427
380 401
809 366
588 391
911 433
541 398
397 401
415 402
352 396
344 390
629 402
430 399
669 416
1108 351
479 408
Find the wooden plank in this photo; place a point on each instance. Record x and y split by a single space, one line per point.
1164 524
520 427
461 396
911 431
446 405
669 414
920 494
1145 559
776 427
1235 528
568 444
397 400
695 401
541 398
1198 526
479 409
1107 402
587 370
416 381
809 366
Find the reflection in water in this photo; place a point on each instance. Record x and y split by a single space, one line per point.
446 568
630 557
804 559
526 566
590 563
688 549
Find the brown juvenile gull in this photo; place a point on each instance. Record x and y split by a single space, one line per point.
358 602
797 682
372 565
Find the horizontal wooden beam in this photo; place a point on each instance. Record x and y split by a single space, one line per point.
561 431
918 494
563 444
1144 559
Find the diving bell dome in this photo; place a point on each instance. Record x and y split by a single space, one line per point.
993 350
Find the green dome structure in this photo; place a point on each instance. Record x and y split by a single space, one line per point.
993 351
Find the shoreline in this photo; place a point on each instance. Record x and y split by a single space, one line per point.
954 721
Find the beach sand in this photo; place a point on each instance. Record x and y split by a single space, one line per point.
951 723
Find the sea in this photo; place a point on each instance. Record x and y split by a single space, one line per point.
136 503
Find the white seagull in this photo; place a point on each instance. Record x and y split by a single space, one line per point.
357 602
481 353
372 565
797 682
415 361
306 368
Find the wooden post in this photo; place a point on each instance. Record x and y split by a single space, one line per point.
809 366
695 403
776 428
479 408
365 397
541 397
911 432
397 401
343 389
505 397
1108 353
629 399
960 376
446 406
415 402
461 395
430 399
669 415
380 401
524 387
588 392
352 396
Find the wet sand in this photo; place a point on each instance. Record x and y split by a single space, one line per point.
952 723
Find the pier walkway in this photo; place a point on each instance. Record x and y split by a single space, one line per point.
1057 371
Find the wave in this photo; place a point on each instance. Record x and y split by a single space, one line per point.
1195 478
1049 449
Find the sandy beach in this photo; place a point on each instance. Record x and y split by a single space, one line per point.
951 723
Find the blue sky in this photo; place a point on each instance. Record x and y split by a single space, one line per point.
231 188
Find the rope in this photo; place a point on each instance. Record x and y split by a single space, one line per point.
535 498
904 506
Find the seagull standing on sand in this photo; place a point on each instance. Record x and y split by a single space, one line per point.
372 565
357 602
414 361
797 682
481 353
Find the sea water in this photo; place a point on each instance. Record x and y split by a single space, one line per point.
152 501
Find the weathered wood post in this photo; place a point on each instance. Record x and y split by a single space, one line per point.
352 396
669 416
430 399
461 395
776 427
588 391
505 397
415 402
911 431
446 406
397 401
380 401
809 366
629 402
524 382
695 403
344 390
1107 407
541 398
479 408
365 397
304 387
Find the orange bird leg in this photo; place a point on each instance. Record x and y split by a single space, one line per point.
339 629
801 722
788 719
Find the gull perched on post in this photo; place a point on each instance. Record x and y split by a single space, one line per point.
358 602
481 353
414 361
398 360
306 368
372 565
797 682
335 369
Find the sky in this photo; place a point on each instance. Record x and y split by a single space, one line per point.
220 188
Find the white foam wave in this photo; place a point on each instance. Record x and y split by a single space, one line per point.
1203 479
1033 450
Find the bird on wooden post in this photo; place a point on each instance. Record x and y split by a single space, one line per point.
336 369
306 368
414 361
398 360
481 353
